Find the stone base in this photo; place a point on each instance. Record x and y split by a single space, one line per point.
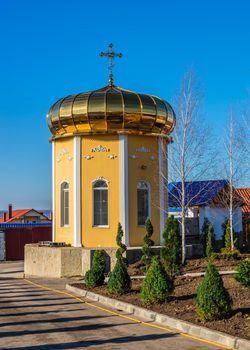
52 261
60 262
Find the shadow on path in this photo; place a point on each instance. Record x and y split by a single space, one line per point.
97 342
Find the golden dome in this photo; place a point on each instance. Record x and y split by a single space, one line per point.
110 110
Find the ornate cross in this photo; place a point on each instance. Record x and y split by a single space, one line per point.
111 55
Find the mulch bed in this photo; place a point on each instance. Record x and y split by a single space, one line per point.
181 304
194 265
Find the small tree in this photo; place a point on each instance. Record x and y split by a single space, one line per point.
148 243
204 233
213 301
228 237
243 273
119 281
224 228
157 285
210 241
171 249
95 276
122 247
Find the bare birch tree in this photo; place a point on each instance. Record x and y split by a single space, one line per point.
234 167
190 154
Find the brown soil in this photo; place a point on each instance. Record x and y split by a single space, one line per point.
181 304
194 265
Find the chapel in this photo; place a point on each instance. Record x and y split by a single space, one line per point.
109 164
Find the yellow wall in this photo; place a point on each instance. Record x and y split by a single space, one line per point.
100 165
150 175
64 171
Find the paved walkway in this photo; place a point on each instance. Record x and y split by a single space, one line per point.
35 319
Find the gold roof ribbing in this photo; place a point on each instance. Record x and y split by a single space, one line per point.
110 110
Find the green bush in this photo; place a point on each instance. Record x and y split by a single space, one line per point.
210 241
213 301
243 273
95 276
171 249
119 281
157 285
148 243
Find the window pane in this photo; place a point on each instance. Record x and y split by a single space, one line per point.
100 207
142 206
66 207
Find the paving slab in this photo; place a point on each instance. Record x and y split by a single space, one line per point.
33 317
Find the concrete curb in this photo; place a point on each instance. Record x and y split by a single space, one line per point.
166 321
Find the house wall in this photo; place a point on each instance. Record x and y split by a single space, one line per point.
217 216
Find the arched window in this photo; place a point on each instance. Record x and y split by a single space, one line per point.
100 199
142 202
64 204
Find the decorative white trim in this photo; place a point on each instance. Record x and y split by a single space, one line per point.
100 148
77 192
162 189
53 193
133 156
143 149
124 219
100 178
112 156
88 157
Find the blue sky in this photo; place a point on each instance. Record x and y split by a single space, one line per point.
50 49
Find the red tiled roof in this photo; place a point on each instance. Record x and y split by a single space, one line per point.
16 214
245 194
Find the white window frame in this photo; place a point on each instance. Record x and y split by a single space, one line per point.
93 202
138 187
62 205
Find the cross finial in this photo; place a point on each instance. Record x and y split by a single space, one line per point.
111 55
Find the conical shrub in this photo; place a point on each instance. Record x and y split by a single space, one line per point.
119 281
171 249
157 285
95 276
213 301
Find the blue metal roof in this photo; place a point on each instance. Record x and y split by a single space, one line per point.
197 193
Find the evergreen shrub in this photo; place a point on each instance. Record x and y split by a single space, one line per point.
157 285
213 301
171 249
210 241
204 233
119 281
243 273
122 247
95 276
148 243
